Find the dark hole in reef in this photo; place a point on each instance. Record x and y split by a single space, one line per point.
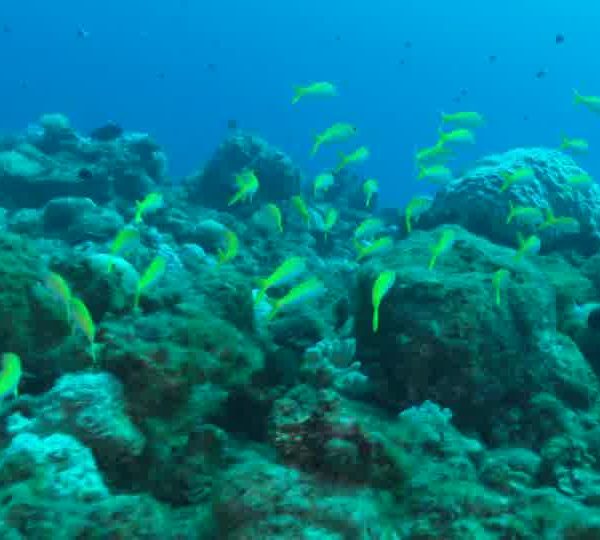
244 416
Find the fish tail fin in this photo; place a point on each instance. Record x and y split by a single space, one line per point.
138 212
136 300
520 240
316 146
433 260
235 199
274 311
109 266
577 97
497 295
564 142
511 212
341 164
408 223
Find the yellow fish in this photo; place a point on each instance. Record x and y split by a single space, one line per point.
463 119
85 323
60 288
360 155
321 88
232 245
331 218
10 376
247 184
370 187
381 245
286 272
591 102
322 183
444 244
301 208
498 278
336 133
125 238
276 216
383 284
150 203
524 174
307 290
527 246
416 206
152 274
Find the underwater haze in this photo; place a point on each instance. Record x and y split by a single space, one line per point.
182 70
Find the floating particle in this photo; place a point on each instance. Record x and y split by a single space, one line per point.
402 61
161 75
525 118
559 39
82 33
492 58
541 74
6 29
464 91
408 44
212 67
337 37
232 123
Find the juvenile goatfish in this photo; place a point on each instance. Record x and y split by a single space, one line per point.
463 119
85 323
370 187
301 208
381 245
321 88
125 238
360 155
151 275
416 206
307 290
498 279
247 184
590 102
322 183
383 283
10 376
524 174
524 214
527 246
151 202
275 214
286 272
444 244
232 245
331 218
456 137
574 146
336 133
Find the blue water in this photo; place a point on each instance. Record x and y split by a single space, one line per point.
145 64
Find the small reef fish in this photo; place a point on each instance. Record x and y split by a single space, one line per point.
499 277
336 133
275 214
321 88
10 375
524 214
57 285
322 182
457 137
369 228
302 209
438 174
443 245
286 272
527 246
370 187
415 207
590 102
574 146
562 223
232 246
307 290
83 320
383 284
433 155
125 238
151 202
466 119
524 174
360 155
331 218
579 180
247 184
376 247
151 275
